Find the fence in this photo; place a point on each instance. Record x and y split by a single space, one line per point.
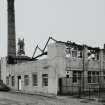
82 86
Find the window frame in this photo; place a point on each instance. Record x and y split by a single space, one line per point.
74 53
35 80
44 80
13 80
93 76
76 76
7 80
26 80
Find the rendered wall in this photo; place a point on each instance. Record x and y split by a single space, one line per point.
29 68
55 66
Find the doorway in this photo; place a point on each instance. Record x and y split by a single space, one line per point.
60 85
19 83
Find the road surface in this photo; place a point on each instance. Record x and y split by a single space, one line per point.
11 98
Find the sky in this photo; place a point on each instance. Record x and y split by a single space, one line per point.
80 21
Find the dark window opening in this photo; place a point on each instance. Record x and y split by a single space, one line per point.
13 81
7 80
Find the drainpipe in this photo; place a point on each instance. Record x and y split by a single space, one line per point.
85 62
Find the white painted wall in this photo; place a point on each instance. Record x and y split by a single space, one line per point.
55 66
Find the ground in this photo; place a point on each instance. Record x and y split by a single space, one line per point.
12 98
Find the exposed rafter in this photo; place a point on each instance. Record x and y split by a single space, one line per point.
42 51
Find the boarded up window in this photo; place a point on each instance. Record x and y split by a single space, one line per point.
44 79
34 79
26 80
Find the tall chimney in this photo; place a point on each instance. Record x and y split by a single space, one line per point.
11 52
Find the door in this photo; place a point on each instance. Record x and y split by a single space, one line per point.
19 83
60 86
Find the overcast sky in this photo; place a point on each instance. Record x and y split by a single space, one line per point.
81 21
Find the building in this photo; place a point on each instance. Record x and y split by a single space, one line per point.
69 67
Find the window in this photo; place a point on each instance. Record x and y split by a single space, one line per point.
104 75
93 76
89 77
76 76
26 80
13 81
79 54
34 79
7 80
68 51
74 53
44 79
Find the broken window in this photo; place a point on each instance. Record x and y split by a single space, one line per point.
74 53
93 54
68 51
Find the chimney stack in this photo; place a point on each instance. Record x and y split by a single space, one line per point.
11 52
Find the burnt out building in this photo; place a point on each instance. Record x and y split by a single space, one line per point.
67 68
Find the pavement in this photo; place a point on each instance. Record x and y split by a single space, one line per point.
13 98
